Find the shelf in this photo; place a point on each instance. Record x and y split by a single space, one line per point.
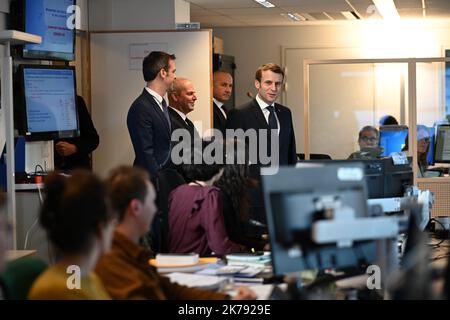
17 37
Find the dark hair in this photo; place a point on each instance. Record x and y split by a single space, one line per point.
268 66
368 128
235 182
388 120
73 210
154 62
124 184
202 170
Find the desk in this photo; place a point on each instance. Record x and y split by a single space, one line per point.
18 254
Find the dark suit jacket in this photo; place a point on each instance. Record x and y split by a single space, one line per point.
250 116
219 120
179 123
150 133
86 143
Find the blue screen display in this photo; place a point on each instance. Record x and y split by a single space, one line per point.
50 100
49 19
392 141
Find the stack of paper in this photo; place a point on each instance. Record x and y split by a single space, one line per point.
254 260
201 264
175 259
198 281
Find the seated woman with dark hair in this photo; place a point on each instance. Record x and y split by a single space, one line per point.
79 225
234 185
196 221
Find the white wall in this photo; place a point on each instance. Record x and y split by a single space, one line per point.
136 14
253 46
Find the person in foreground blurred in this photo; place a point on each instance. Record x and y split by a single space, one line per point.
125 270
79 224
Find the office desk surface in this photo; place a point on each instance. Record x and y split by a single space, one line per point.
17 254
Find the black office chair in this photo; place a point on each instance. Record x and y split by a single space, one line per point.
314 156
167 180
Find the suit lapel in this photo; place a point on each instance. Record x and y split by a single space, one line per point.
257 112
219 114
157 108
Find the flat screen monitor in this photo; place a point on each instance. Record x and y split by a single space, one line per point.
48 96
392 138
291 198
442 153
50 19
383 178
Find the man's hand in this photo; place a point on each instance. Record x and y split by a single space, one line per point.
65 149
245 293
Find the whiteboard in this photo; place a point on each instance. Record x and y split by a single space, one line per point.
116 83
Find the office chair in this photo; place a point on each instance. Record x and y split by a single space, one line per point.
19 275
167 180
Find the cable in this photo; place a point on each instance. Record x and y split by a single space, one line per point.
443 229
33 225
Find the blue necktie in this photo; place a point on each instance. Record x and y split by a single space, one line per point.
273 124
166 111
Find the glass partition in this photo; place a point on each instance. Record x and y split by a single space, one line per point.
345 98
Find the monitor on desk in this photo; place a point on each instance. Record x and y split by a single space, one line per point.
292 198
392 138
442 153
383 178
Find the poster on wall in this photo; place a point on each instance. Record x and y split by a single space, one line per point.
138 51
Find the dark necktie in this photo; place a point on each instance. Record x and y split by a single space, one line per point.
224 111
166 112
189 123
273 124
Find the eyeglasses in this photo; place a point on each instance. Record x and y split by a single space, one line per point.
366 139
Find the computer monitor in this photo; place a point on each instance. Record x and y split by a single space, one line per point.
442 153
383 178
47 100
392 138
291 197
50 19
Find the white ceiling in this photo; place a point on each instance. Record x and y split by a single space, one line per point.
230 13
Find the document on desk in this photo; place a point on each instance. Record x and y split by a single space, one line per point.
198 280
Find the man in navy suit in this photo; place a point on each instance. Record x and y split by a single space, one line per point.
182 97
222 89
262 113
148 119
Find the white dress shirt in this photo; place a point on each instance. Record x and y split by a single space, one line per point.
263 105
157 97
182 115
220 105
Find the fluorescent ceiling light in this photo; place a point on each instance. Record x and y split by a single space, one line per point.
387 9
348 15
308 16
293 16
265 3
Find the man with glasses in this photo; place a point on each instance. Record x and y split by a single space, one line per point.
368 140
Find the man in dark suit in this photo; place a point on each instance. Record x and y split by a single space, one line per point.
148 119
262 113
182 97
223 87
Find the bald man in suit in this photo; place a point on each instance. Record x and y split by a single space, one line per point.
223 87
